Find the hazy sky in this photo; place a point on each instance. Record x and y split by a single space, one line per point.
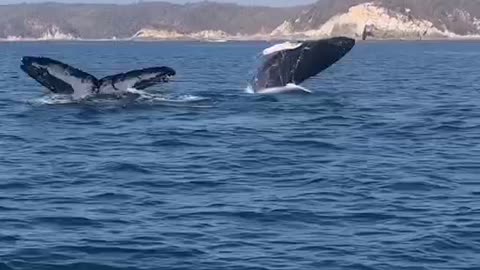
244 2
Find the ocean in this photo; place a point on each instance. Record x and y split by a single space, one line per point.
378 169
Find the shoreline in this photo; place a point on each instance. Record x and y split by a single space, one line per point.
227 40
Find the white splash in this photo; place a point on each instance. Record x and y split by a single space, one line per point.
140 97
54 99
156 97
289 88
249 89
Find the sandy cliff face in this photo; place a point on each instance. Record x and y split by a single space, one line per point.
54 33
42 32
149 33
161 34
369 20
385 19
210 35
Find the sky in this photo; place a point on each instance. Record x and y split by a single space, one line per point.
243 2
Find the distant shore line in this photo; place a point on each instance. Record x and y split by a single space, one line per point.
273 39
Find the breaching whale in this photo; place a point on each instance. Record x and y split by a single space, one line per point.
61 78
287 65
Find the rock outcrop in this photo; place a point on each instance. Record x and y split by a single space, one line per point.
384 19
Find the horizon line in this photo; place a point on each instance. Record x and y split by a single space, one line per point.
139 2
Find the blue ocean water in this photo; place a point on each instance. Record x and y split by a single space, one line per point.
379 169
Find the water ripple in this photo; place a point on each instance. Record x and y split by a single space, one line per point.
377 170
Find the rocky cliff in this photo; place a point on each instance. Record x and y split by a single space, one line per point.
386 19
367 19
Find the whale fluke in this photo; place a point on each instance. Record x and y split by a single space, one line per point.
137 79
293 63
61 78
58 77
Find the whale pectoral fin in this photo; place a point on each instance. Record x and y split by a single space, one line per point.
138 79
59 77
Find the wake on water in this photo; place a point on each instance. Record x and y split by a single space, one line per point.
139 97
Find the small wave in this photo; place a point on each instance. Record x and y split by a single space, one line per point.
452 127
8 238
14 185
414 186
370 216
5 209
173 143
109 196
54 100
126 167
4 266
66 221
75 266
328 118
6 137
151 98
311 143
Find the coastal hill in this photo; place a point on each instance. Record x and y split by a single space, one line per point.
109 21
376 19
387 19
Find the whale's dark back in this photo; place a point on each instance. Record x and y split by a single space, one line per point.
299 64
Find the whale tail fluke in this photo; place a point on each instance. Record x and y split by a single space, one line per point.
137 79
61 78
